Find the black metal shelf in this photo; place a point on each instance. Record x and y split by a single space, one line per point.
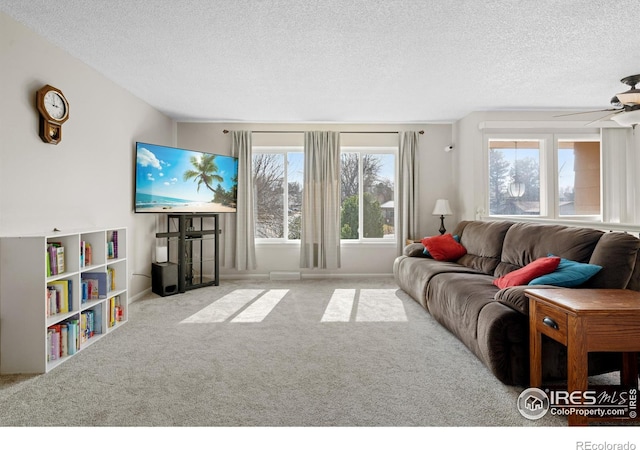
190 230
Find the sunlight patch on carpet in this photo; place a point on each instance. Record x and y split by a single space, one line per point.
373 305
258 310
340 306
345 305
225 307
380 305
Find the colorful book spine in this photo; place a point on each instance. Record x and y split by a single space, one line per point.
53 260
111 278
82 261
60 259
64 340
84 291
87 254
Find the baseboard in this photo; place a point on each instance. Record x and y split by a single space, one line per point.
284 276
140 295
266 276
346 275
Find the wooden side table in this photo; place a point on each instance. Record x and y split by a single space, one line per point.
585 320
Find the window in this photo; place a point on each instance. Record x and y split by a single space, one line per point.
579 178
367 196
545 176
278 209
514 177
368 193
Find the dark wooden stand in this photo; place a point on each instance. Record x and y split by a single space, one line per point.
585 320
190 230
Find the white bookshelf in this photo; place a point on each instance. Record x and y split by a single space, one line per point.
25 311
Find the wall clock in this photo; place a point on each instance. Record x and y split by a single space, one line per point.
54 111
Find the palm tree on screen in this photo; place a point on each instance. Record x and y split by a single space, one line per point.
204 171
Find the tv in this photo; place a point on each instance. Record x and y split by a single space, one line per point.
177 180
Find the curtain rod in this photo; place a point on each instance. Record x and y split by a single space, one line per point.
346 132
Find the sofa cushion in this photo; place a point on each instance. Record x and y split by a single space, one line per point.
617 254
455 300
483 241
516 298
526 242
414 274
444 247
524 275
568 274
634 281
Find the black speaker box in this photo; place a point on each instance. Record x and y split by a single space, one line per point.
164 278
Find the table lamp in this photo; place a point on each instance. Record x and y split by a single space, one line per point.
442 209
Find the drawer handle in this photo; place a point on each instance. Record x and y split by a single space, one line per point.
548 321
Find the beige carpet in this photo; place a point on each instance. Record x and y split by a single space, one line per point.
340 353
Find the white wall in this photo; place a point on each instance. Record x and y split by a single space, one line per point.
435 173
87 180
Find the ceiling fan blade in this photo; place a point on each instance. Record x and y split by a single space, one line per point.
606 117
586 112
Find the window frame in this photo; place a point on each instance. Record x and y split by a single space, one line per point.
278 150
549 195
380 150
285 150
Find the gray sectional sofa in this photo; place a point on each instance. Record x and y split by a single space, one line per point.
493 323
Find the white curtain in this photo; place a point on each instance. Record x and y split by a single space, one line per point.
320 237
239 240
407 181
620 186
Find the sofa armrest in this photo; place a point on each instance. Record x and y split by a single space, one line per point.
415 249
515 297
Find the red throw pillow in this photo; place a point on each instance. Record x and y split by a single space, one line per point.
444 247
535 269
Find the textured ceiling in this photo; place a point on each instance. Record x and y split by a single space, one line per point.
348 60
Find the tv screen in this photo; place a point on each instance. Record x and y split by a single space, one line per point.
176 180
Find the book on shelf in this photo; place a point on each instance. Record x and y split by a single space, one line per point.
82 251
60 259
64 340
55 258
59 296
116 312
111 278
97 285
88 256
112 245
90 324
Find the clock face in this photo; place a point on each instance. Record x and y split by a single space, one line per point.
55 105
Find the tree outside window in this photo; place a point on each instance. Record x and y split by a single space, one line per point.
367 195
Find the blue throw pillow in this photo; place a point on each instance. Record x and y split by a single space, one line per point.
568 274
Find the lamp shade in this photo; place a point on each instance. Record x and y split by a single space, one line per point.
630 97
442 208
627 118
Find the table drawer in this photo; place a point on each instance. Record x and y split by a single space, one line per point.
551 322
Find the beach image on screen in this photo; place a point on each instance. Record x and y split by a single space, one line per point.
177 180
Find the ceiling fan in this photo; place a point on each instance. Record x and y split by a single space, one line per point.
626 105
